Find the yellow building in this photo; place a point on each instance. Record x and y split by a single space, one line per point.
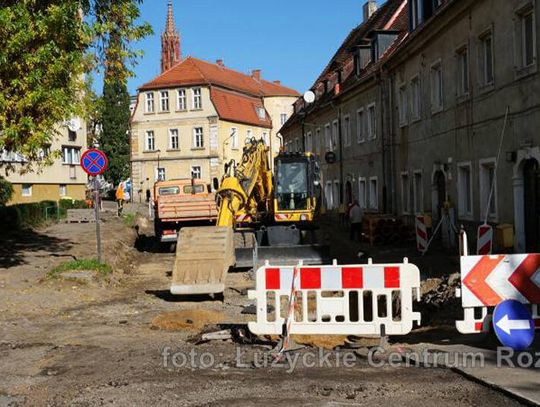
64 178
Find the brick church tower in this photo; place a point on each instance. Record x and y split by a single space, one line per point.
170 43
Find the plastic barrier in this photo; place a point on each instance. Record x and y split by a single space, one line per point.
488 280
421 234
484 240
368 299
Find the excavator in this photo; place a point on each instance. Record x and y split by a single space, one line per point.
263 215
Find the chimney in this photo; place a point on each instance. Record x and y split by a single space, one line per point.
256 74
277 82
370 7
220 62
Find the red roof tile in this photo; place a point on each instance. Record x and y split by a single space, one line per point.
193 71
239 108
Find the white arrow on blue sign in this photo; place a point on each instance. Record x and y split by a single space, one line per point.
513 325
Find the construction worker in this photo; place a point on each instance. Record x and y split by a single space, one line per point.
120 198
355 216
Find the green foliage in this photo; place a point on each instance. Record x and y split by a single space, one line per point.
6 191
45 48
66 204
29 215
81 265
129 219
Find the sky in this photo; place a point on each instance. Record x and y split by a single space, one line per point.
289 40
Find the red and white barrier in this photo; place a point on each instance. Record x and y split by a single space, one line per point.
421 234
369 299
484 240
243 218
488 280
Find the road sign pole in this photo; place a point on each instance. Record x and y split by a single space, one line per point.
98 226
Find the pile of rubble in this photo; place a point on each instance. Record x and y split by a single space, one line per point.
439 304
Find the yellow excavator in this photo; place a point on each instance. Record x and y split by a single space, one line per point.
262 216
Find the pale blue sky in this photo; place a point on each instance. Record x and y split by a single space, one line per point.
290 40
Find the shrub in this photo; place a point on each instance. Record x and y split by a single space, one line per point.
6 191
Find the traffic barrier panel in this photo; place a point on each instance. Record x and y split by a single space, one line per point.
488 280
421 234
484 240
368 299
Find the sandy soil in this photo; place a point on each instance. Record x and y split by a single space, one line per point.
123 340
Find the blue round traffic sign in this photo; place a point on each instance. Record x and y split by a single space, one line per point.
94 162
513 325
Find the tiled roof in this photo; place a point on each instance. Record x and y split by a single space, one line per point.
193 71
239 108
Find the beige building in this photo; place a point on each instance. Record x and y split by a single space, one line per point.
63 179
195 117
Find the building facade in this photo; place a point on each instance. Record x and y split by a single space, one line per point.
195 117
456 107
63 179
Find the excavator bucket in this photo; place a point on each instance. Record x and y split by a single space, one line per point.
282 255
203 258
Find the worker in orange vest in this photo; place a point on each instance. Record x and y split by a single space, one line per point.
120 198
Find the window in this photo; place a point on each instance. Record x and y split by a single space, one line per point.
164 101
181 102
362 192
198 138
328 195
347 131
417 13
402 105
405 193
235 142
71 155
26 190
266 138
415 98
463 71
150 141
418 193
372 122
249 134
328 137
261 113
174 141
72 135
436 87
373 193
336 194
160 174
486 58
465 198
196 172
487 181
360 126
197 98
149 102
283 118
525 34
62 190
335 134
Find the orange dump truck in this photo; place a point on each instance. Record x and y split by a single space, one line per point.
183 202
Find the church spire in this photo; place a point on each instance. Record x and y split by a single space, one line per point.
170 42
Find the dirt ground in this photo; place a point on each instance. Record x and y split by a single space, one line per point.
124 340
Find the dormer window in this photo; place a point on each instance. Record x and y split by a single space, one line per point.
382 40
261 113
362 58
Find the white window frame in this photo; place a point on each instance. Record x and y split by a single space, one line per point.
172 134
485 188
405 183
416 98
436 80
335 134
463 71
347 130
196 98
147 138
266 138
360 126
362 195
483 59
418 193
261 113
161 174
402 105
71 155
249 134
520 44
27 188
149 102
373 201
164 102
196 172
328 195
463 212
198 137
181 100
62 190
235 138
283 117
372 121
328 136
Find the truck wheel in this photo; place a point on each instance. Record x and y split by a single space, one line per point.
158 229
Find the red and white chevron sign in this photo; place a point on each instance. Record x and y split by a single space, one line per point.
484 240
489 280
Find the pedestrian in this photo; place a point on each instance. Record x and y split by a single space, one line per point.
355 216
120 198
148 195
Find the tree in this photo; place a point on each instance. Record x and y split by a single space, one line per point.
6 191
46 47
